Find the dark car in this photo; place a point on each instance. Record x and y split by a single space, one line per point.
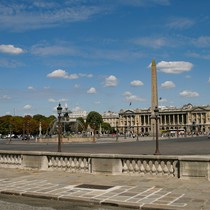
209 136
25 138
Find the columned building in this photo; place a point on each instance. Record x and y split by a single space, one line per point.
188 119
185 120
111 118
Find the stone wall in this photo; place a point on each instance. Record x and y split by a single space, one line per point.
185 167
63 140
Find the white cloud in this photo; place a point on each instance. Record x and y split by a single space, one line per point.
10 49
189 94
202 41
10 63
151 42
63 100
130 97
27 107
127 93
209 79
59 49
140 3
168 85
97 102
187 76
180 23
59 73
34 16
46 87
91 90
76 86
31 88
201 54
76 109
111 81
5 97
174 67
85 75
52 100
136 83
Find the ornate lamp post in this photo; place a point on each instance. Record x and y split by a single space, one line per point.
137 135
156 110
116 131
125 133
59 111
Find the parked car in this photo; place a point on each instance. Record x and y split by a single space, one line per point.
25 138
209 136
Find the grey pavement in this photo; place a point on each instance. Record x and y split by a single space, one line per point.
145 193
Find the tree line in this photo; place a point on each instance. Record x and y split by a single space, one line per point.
19 125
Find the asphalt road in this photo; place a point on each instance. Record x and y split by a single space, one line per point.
181 146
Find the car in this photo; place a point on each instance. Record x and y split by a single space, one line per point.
209 136
25 138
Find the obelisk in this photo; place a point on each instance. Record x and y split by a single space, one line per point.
154 94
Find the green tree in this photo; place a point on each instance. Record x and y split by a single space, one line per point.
106 127
5 123
24 125
17 125
94 120
81 123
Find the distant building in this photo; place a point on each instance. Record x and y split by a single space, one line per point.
111 118
189 118
76 114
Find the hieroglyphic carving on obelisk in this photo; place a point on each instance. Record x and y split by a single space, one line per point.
154 94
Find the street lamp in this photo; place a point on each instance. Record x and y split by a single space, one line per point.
156 110
125 132
137 138
59 111
116 131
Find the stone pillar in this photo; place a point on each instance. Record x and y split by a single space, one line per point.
154 93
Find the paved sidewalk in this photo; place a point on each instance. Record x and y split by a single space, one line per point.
125 191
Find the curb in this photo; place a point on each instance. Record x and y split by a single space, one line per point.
89 201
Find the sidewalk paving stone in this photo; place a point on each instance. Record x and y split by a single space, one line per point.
115 190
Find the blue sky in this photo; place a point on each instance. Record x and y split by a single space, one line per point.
96 54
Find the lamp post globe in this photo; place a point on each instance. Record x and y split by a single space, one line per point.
59 111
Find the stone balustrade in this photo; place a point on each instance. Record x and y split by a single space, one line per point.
10 160
154 167
69 164
139 165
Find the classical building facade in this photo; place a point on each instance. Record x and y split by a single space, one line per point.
187 119
111 118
